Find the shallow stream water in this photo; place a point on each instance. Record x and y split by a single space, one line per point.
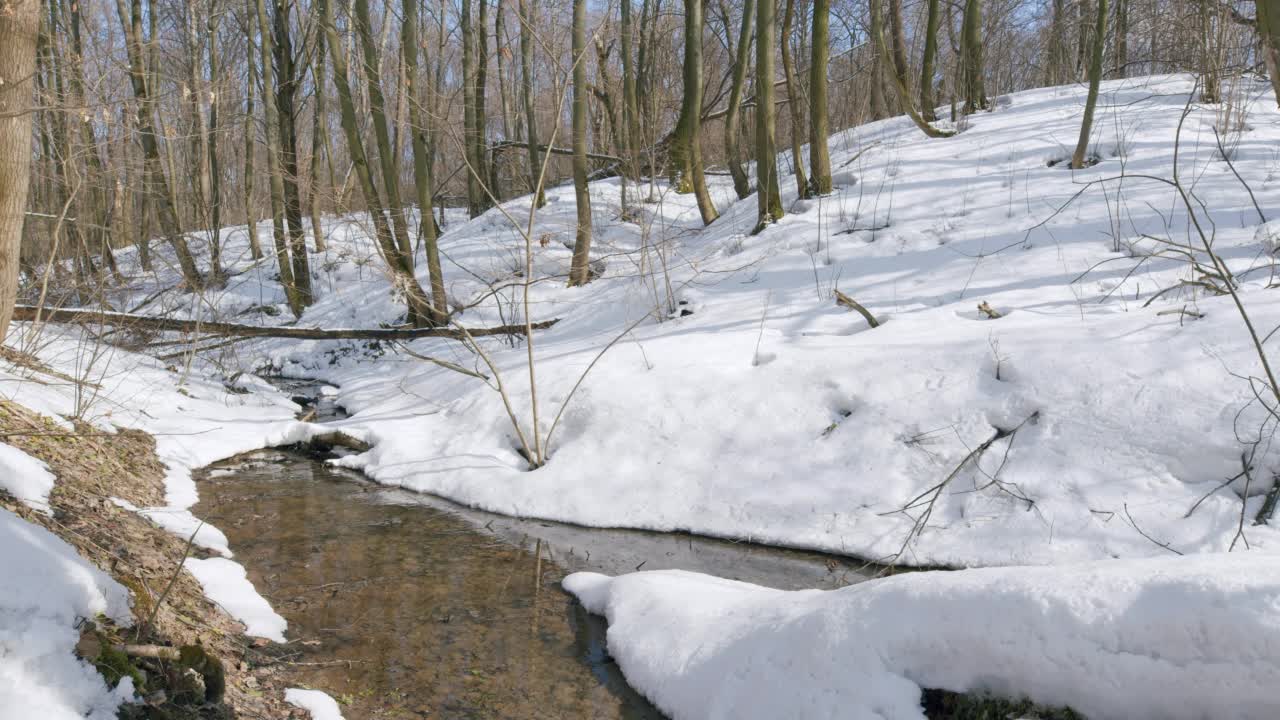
402 605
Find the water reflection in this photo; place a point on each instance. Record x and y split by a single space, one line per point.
403 605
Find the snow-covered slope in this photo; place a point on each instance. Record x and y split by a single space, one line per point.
761 410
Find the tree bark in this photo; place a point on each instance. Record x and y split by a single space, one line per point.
819 156
687 147
794 104
19 25
927 98
732 130
879 109
769 200
975 92
580 268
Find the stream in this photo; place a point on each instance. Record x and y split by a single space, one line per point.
404 605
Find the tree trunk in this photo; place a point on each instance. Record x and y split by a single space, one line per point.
732 129
630 110
580 268
19 26
286 91
381 135
250 145
687 146
422 161
530 113
469 122
488 188
794 103
1269 29
975 92
213 169
769 200
900 67
319 130
1080 157
819 157
927 98
272 109
1121 48
403 277
879 109
157 182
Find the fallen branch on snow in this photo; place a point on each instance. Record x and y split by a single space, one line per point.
30 313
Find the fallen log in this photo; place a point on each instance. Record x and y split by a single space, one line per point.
30 313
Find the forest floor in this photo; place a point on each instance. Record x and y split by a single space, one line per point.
1057 378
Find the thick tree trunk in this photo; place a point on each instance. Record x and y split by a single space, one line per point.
732 129
422 161
1080 157
19 26
580 268
819 156
794 102
975 92
769 200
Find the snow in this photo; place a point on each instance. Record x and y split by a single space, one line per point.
730 396
26 478
226 583
46 589
1166 638
319 704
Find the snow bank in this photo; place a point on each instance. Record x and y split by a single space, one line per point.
45 588
227 584
319 704
1165 638
26 478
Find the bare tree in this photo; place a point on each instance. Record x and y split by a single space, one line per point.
769 199
686 146
794 102
819 156
732 131
1080 157
19 25
580 269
